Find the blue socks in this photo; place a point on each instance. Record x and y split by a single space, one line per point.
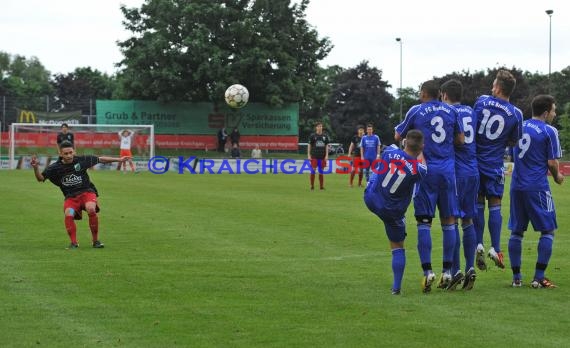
479 222
398 266
515 254
456 252
448 245
424 244
469 245
544 253
495 225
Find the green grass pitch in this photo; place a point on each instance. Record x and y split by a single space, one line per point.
249 261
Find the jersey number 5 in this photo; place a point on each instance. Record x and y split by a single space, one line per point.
468 129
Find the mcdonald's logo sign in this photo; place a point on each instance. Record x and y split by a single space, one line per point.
28 116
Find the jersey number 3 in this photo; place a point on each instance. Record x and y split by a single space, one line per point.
439 133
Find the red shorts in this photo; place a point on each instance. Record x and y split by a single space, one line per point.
125 153
356 164
315 162
78 202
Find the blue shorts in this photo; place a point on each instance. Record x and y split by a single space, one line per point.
369 162
436 190
467 189
394 222
492 186
536 206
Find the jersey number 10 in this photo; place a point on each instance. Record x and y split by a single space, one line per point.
487 124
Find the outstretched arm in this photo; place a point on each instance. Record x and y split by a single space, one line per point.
106 159
36 164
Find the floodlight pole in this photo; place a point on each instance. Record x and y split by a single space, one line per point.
400 92
549 13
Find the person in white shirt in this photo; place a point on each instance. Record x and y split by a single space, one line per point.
256 153
126 137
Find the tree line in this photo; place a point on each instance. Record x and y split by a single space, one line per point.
192 50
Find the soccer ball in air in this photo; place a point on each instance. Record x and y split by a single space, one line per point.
236 96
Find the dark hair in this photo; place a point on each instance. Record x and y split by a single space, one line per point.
453 89
542 103
65 143
370 125
506 82
360 127
64 125
431 88
318 123
414 140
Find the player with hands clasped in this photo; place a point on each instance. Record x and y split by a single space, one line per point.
69 173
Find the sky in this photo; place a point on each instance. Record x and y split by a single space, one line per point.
438 37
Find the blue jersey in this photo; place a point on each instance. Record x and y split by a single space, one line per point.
438 122
369 146
538 144
465 155
392 183
498 123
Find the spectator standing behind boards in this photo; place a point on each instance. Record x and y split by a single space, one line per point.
234 137
235 151
222 137
126 136
65 135
256 153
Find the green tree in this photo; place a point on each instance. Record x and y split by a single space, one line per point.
564 127
561 86
25 79
480 82
314 103
75 90
359 97
193 50
410 97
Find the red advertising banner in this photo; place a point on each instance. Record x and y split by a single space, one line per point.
164 141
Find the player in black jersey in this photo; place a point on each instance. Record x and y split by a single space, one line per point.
318 154
354 151
69 173
64 135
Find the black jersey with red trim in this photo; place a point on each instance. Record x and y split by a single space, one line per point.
72 178
356 140
319 146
